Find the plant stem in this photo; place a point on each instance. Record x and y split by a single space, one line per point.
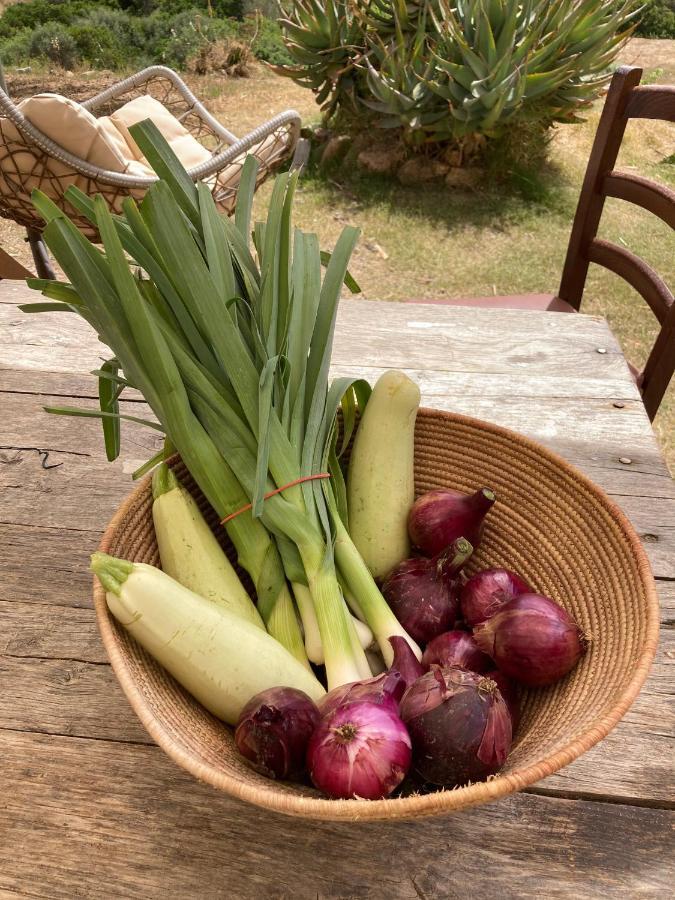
379 617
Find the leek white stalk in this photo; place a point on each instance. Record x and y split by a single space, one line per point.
381 480
219 657
189 551
376 612
310 625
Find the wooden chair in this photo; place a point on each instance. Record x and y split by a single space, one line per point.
626 99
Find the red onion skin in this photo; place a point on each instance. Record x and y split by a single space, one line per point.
274 729
459 724
385 690
405 662
423 593
485 593
361 750
509 692
532 640
456 648
438 518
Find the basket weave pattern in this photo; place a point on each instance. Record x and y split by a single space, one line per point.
550 523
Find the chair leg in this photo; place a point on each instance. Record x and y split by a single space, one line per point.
301 155
43 264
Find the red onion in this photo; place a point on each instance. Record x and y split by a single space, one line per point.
485 593
509 692
423 593
360 750
385 690
405 662
274 729
438 518
459 724
456 648
532 640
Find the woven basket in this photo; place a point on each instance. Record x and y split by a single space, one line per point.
550 523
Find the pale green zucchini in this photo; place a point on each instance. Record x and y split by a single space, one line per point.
189 550
219 657
381 484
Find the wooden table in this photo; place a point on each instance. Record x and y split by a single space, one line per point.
90 807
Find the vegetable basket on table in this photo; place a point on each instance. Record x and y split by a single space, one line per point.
551 523
226 328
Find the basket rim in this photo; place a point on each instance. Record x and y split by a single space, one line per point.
416 806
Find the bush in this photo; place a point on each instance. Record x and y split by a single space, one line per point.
41 12
439 71
218 8
117 34
16 49
54 42
269 45
188 33
658 19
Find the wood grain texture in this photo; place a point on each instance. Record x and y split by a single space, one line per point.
97 810
133 825
52 667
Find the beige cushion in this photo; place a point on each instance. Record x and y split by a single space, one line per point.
76 130
186 147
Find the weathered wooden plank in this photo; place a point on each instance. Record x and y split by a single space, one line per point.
667 597
68 697
445 339
96 819
50 632
46 566
59 693
635 760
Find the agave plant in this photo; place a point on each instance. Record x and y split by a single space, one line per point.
442 69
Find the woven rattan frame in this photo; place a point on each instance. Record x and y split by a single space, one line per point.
37 161
551 523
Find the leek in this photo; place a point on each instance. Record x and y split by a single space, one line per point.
232 355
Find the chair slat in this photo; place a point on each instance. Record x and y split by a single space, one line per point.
651 101
660 366
656 198
636 272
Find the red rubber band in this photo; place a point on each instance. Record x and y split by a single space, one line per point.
275 491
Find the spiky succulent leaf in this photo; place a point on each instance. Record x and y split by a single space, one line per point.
445 68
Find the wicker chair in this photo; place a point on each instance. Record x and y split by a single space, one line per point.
33 157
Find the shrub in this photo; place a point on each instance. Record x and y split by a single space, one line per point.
54 42
41 12
268 43
442 70
188 32
218 8
117 34
16 49
657 20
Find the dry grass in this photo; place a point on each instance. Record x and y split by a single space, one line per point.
426 242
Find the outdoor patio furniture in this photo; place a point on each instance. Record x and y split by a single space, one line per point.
92 808
626 99
29 158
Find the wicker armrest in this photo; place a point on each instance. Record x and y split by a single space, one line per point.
176 97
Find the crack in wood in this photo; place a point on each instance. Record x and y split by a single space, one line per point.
44 455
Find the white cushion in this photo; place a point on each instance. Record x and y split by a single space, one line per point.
76 130
186 147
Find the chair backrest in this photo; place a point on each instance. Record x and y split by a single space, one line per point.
626 99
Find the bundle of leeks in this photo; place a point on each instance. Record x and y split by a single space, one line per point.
230 346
